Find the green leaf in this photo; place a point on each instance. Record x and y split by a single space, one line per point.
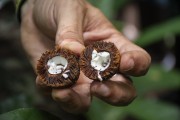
94 2
106 7
102 111
27 114
118 4
140 108
150 109
117 24
157 32
15 102
157 79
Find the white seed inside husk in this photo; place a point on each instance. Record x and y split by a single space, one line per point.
100 61
57 65
65 74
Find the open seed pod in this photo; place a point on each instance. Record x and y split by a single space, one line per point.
58 68
100 60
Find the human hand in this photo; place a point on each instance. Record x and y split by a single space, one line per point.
73 24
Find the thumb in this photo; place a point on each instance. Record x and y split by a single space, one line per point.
70 30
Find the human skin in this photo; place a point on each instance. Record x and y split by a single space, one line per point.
74 24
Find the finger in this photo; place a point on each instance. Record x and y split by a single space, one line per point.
43 89
70 26
134 60
67 99
115 92
33 41
134 63
76 99
71 101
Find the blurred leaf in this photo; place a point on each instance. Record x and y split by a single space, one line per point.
157 32
118 4
27 114
15 102
3 2
142 109
101 111
149 109
157 79
95 2
107 8
118 24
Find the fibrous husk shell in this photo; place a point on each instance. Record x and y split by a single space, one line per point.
86 57
57 80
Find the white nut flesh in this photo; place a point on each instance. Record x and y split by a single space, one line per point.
100 61
57 65
65 74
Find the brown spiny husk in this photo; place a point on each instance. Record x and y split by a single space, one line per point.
100 46
57 80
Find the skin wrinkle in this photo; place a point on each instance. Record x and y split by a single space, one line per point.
66 32
71 32
96 20
45 8
91 36
52 14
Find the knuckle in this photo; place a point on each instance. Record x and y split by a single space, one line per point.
60 96
68 33
67 29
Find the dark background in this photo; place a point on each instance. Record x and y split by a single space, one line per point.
156 22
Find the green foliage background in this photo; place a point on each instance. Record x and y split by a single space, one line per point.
143 108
